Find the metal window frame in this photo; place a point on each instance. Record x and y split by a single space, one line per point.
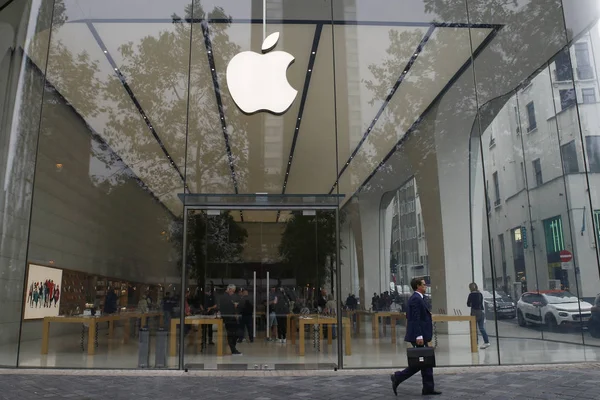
265 207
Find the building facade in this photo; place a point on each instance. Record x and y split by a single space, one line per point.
142 174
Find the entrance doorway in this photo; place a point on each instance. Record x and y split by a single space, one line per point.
250 271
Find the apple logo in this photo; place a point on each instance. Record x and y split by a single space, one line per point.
258 82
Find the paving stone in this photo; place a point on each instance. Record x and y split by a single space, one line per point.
564 383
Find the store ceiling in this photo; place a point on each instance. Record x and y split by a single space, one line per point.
129 81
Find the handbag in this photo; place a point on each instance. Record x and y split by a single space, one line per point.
421 357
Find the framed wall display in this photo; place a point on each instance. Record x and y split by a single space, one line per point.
43 292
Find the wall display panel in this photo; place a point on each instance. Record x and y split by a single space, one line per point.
43 291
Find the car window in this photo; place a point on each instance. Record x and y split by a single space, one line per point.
538 298
486 294
526 298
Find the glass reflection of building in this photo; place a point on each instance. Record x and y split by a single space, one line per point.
457 142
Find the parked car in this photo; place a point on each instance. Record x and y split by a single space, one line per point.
504 307
552 308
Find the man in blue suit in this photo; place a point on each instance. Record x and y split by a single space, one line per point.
419 332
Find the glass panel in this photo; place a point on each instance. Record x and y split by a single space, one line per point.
404 96
550 232
106 220
249 284
531 116
583 188
24 27
235 149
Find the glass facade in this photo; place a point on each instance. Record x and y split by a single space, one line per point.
454 141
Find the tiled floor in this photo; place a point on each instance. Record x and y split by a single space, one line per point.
517 346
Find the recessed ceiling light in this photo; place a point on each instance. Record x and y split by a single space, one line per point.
105 51
314 52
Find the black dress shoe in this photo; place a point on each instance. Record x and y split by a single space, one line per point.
395 383
430 392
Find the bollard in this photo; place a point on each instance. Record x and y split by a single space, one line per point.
144 348
161 348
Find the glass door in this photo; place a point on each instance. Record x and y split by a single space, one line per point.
250 275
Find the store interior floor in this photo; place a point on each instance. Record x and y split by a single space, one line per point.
517 346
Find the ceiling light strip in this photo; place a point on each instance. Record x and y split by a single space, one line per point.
309 72
389 97
138 106
215 79
219 99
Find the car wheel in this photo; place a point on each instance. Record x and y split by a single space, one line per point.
521 319
551 323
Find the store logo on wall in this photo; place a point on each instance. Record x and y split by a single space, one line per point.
258 82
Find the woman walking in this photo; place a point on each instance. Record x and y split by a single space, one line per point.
475 301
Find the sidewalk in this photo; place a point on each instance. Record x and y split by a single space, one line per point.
575 381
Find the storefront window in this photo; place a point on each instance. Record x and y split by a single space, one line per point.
185 178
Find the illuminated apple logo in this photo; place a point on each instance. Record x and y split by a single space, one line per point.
258 82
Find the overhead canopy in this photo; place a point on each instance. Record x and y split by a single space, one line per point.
129 80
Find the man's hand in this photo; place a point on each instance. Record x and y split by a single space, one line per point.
420 342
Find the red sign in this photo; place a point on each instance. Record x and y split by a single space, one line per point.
565 256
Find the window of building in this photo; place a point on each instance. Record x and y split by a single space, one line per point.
496 189
567 98
592 144
531 117
517 242
523 180
584 67
563 66
568 153
537 171
588 95
553 231
597 224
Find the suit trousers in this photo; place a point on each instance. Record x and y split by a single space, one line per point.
426 374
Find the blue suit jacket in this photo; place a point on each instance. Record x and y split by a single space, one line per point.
418 320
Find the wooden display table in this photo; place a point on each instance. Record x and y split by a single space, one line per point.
320 320
443 318
92 322
196 320
382 315
290 325
356 315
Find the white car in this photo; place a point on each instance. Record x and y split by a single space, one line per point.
552 308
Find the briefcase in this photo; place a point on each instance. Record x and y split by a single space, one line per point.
421 357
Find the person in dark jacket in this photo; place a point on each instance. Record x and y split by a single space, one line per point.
110 302
419 332
246 317
228 306
282 309
475 301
